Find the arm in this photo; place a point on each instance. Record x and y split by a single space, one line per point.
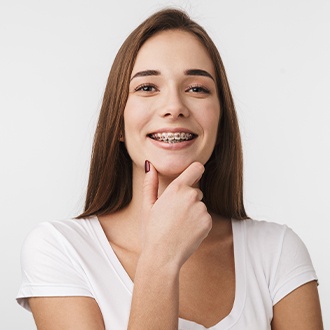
56 313
48 269
299 310
166 246
155 303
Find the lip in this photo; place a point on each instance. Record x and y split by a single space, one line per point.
172 146
173 130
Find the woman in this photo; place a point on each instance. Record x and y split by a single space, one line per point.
164 209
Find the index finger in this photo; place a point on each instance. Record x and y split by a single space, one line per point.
192 174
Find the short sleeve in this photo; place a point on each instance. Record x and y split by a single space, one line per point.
294 267
49 267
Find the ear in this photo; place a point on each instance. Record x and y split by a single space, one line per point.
121 137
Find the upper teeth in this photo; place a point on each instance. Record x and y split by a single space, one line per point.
172 137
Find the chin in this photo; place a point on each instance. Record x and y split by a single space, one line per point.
171 171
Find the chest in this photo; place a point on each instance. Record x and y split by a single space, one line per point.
207 282
213 287
207 286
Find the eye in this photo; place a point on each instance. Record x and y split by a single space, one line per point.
146 88
198 89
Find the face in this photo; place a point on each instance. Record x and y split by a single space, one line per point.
172 111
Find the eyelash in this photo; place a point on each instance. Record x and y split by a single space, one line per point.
200 89
141 87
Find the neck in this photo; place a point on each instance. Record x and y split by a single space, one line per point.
130 215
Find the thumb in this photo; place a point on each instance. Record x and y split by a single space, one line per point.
150 186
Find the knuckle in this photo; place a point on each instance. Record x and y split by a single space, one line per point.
192 195
205 219
200 194
209 223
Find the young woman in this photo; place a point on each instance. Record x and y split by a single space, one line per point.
164 209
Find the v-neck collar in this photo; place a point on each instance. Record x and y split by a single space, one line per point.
238 227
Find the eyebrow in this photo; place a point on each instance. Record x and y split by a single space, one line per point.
190 72
146 73
198 72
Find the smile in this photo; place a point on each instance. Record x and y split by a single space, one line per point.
169 137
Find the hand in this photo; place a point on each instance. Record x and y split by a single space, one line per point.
176 223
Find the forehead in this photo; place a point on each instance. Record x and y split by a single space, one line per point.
173 49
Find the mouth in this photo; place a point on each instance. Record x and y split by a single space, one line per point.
172 137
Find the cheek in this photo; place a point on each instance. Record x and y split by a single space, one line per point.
210 119
211 124
131 118
128 113
136 114
135 120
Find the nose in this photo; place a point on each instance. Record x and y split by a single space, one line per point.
173 105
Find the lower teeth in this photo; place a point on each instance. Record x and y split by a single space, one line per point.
174 141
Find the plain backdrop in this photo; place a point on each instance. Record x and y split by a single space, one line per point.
55 57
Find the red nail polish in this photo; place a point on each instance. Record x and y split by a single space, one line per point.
146 166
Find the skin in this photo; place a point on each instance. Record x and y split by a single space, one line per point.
175 274
169 99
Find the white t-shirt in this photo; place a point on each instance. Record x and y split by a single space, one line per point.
74 258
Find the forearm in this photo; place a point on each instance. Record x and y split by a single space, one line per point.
166 220
155 301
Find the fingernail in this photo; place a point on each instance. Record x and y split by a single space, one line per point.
146 166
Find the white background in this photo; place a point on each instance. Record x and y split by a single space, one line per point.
55 58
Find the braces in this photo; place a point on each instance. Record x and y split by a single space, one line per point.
172 137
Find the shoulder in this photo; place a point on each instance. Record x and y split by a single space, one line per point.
51 261
57 245
278 253
61 229
56 236
261 227
261 241
271 235
271 241
261 233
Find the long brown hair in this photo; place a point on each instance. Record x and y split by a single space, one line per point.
110 179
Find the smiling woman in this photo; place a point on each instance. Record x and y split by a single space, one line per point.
164 241
176 96
132 74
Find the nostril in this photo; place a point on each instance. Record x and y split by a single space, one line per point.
175 114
